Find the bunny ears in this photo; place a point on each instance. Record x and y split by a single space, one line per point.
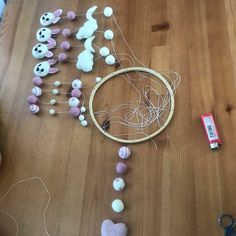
42 69
49 18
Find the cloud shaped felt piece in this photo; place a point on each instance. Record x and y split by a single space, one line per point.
85 61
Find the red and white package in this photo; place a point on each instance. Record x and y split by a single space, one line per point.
211 131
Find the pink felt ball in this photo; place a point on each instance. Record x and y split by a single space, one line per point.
37 81
32 99
62 57
121 168
75 111
76 93
71 15
66 32
65 45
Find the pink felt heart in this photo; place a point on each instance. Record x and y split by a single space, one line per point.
111 229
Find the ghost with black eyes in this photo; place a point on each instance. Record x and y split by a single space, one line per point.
49 18
41 50
46 35
44 68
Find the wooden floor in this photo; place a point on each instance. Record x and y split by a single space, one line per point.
178 190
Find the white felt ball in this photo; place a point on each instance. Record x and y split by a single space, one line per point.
108 11
98 79
83 109
77 84
36 91
104 51
57 83
118 184
52 112
108 34
84 123
53 101
74 102
110 60
81 117
55 91
117 205
124 152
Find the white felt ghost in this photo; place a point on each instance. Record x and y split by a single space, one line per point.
40 50
49 18
85 61
42 69
89 27
46 34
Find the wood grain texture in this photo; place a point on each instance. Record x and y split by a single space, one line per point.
181 188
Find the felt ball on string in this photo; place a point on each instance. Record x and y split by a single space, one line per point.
65 45
104 51
84 123
124 152
81 117
121 168
75 111
34 109
83 109
76 93
74 102
53 101
108 11
52 112
108 34
32 99
71 15
98 79
110 60
76 84
66 32
36 91
117 205
57 83
119 184
55 91
37 81
62 57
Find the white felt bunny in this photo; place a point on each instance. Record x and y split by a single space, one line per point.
46 34
42 69
41 50
49 18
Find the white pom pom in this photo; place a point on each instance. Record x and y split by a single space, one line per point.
77 84
117 205
108 11
55 91
98 79
53 101
110 60
52 112
81 117
84 123
83 109
57 83
108 34
74 102
104 51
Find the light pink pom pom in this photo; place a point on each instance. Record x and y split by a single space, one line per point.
76 93
66 32
75 111
32 99
71 15
37 81
62 57
65 45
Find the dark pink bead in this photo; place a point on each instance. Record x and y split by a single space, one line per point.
75 111
76 93
62 57
37 81
66 32
121 168
65 45
71 15
32 99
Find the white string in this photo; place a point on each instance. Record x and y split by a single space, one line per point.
45 209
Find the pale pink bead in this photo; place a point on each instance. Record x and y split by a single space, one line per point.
37 81
65 45
71 15
76 93
75 111
34 108
32 99
66 32
62 57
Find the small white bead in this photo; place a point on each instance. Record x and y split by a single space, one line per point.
104 51
108 34
110 60
117 205
108 11
53 101
55 91
83 109
98 79
77 84
74 102
52 112
118 184
81 117
57 83
84 123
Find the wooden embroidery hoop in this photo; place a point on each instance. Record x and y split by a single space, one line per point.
118 72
